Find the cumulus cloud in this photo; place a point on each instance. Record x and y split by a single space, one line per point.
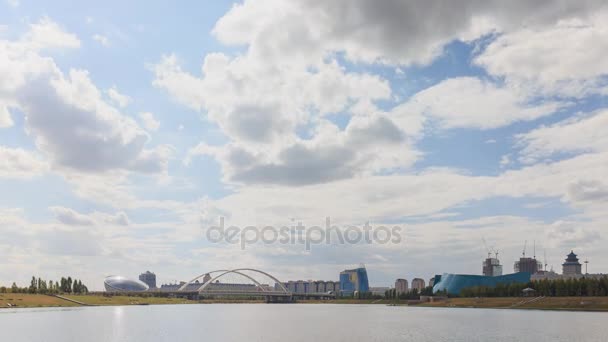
66 115
118 98
20 164
367 145
372 31
468 102
548 59
149 121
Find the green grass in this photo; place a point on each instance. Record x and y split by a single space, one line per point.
23 300
547 303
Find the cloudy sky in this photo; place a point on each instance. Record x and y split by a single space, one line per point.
127 129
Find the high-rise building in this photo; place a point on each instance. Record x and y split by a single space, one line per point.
492 267
354 280
149 279
529 265
418 284
401 286
571 266
432 282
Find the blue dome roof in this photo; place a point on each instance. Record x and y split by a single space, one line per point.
122 284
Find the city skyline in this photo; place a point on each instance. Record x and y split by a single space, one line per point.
128 130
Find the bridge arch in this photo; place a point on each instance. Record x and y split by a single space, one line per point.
238 271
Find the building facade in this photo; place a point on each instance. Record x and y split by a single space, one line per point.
527 265
401 286
122 284
352 281
453 283
149 279
571 266
418 284
491 267
310 286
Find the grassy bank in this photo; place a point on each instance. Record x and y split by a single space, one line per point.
20 300
546 303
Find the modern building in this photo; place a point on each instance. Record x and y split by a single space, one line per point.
216 286
453 283
149 279
354 281
418 284
491 267
571 266
401 286
122 284
432 282
311 286
527 265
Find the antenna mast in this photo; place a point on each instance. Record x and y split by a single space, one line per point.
524 252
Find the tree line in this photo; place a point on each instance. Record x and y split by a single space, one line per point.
412 294
41 286
572 287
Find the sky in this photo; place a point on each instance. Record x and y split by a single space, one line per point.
127 130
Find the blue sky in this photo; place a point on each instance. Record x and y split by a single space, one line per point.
126 130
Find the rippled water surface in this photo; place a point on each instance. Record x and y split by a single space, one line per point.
297 322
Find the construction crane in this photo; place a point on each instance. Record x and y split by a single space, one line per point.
524 252
490 250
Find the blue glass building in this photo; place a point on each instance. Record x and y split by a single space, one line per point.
453 283
354 280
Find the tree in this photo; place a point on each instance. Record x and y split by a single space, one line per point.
33 285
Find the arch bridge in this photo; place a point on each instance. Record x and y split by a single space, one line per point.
211 285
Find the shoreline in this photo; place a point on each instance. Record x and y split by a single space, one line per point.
579 304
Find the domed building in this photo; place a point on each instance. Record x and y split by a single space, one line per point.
122 284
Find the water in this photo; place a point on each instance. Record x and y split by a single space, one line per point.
297 322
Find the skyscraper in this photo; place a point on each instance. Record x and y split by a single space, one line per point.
354 280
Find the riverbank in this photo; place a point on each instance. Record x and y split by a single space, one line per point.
20 300
538 303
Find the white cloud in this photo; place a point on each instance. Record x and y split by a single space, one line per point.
71 217
101 39
549 59
46 34
579 134
372 31
5 117
65 114
118 98
20 164
473 103
149 121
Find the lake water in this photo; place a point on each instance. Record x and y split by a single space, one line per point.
297 322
